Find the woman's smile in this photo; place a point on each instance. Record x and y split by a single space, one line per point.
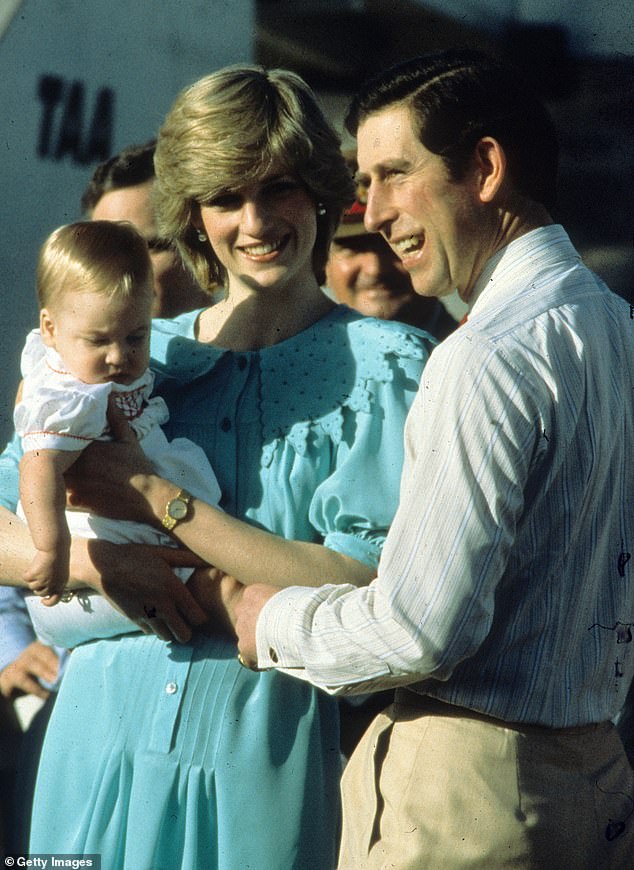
264 252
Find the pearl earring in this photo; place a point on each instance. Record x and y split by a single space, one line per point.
201 236
321 209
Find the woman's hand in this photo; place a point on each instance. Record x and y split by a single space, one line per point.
108 478
139 581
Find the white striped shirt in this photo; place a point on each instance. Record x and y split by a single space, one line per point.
506 583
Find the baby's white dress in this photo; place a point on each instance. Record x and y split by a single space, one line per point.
59 412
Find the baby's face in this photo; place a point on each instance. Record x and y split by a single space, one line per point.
100 339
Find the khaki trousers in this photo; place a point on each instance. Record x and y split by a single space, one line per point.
441 789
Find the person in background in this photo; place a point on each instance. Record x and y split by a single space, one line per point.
301 403
9 742
364 273
503 604
121 190
27 667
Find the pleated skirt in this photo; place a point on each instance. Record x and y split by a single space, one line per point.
166 756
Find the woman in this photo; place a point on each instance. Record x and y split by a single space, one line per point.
173 755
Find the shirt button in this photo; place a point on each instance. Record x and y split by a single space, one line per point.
273 655
225 424
171 689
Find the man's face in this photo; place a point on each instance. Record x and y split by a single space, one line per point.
174 288
364 273
437 227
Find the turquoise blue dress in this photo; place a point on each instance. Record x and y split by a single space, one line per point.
174 756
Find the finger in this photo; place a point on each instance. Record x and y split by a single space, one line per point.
167 624
178 557
51 600
161 630
168 627
22 683
119 426
32 687
43 662
247 661
45 656
190 610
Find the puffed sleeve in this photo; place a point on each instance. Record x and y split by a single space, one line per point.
62 417
355 505
335 412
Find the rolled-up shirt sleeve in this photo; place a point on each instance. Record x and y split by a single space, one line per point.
468 448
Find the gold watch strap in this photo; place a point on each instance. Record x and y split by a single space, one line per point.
176 509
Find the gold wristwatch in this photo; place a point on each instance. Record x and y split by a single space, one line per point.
177 509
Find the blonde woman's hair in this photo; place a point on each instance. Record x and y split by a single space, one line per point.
108 257
227 131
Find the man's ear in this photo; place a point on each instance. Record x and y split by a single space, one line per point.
491 165
47 328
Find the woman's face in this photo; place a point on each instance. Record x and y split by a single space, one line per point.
263 233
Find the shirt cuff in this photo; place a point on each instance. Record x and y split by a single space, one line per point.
276 630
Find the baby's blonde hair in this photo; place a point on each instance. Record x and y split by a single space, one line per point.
108 257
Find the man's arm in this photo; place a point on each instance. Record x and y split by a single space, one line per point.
468 453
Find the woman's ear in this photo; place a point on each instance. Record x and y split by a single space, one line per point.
491 166
195 218
47 328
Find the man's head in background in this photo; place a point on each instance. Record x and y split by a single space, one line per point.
121 190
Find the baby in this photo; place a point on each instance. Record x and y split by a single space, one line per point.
95 290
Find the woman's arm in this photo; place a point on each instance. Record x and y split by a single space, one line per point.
116 479
136 578
16 549
247 552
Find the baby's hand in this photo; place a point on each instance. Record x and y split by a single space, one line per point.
47 576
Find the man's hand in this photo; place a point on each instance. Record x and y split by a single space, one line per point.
139 581
21 677
217 594
244 612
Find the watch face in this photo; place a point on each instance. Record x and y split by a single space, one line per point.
177 509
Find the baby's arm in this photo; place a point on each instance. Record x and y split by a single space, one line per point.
43 498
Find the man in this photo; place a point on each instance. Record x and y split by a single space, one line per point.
121 190
504 599
364 273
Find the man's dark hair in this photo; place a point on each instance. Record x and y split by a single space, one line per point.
132 166
459 96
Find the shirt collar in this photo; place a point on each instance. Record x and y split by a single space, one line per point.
531 254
